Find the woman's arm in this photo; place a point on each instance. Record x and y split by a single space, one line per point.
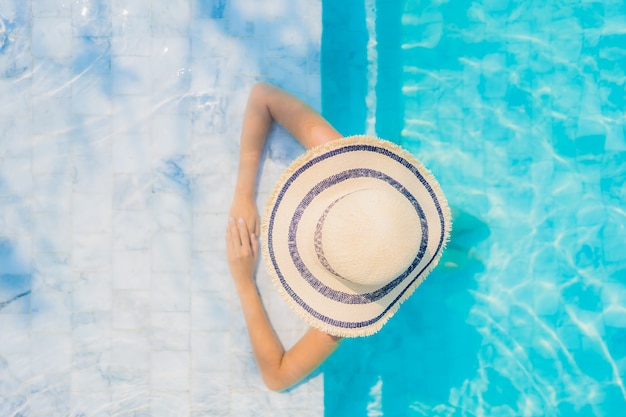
266 104
279 369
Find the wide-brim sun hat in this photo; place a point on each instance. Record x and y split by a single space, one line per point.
350 230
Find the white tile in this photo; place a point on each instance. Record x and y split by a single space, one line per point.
130 350
96 404
131 192
51 155
246 22
16 60
209 73
130 392
91 212
17 377
170 291
289 73
51 232
211 160
170 371
94 175
51 115
208 114
14 267
50 393
283 317
91 55
171 252
129 35
91 136
209 37
91 251
253 404
16 134
294 10
51 312
91 94
132 153
210 351
15 218
52 8
90 372
170 331
131 75
171 212
171 18
131 310
19 91
172 96
171 136
171 175
213 9
212 193
288 38
239 338
51 353
131 270
91 331
52 193
131 8
92 291
169 404
210 311
210 393
132 230
15 329
91 18
170 54
18 169
132 114
52 37
18 12
209 231
209 272
52 271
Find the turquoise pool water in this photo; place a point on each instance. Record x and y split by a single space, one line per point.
518 109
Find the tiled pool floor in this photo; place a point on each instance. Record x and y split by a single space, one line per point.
119 123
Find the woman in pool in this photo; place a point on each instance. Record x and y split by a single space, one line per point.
352 228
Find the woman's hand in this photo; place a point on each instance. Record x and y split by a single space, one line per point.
245 208
241 251
279 369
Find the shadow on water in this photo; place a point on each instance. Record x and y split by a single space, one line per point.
424 351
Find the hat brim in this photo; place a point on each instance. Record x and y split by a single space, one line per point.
333 305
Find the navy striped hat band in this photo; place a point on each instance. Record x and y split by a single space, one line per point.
351 228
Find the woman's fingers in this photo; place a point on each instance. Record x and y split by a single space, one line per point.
255 244
238 236
244 236
231 236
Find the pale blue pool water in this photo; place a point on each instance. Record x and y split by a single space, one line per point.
518 109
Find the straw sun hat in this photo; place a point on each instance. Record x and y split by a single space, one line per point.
351 229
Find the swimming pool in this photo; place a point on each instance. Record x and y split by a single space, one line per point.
518 109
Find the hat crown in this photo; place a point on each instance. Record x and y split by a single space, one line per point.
368 237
